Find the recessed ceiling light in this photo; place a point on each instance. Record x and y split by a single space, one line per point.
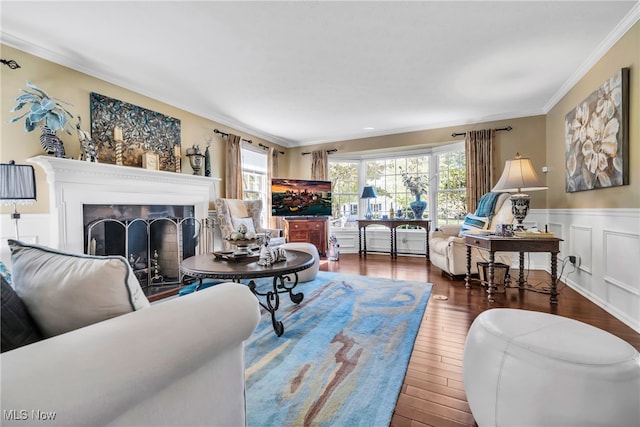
368 128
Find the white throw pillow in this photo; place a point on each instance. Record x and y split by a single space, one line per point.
246 221
64 291
473 224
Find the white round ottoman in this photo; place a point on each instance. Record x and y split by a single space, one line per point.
310 273
526 368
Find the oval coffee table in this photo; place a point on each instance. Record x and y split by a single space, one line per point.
284 273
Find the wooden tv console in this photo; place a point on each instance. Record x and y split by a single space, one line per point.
307 229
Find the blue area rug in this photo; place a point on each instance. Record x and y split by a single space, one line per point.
343 355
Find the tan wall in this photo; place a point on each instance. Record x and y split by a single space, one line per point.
74 87
625 53
539 137
527 138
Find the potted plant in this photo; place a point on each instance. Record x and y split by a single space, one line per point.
417 185
46 111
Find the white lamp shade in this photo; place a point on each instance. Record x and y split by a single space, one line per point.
518 175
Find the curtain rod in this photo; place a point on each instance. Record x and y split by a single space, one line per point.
508 128
226 134
266 147
333 150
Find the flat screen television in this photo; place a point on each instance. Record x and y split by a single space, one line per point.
300 197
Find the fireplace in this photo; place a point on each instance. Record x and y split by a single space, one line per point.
74 184
153 238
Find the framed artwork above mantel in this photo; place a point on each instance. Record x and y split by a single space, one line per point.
597 137
144 132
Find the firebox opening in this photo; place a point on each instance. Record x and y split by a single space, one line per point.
153 238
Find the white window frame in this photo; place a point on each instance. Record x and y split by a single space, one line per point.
252 164
433 168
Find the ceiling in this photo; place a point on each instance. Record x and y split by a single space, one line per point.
299 73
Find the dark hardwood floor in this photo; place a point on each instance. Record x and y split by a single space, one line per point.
433 391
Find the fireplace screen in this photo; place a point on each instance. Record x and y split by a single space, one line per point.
154 239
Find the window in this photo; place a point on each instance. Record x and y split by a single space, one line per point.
254 178
442 168
385 176
452 187
344 190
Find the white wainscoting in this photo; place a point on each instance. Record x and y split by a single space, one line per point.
607 244
605 241
33 228
379 240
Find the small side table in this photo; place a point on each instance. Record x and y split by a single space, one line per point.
495 244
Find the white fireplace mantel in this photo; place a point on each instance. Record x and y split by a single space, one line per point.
74 183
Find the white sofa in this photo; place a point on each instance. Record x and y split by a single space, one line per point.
176 363
448 252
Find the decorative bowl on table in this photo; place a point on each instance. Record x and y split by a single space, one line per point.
242 245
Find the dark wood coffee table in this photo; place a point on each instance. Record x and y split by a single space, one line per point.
284 273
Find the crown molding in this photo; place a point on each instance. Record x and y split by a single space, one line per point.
621 29
83 67
438 125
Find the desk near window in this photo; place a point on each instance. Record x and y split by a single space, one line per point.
392 225
495 244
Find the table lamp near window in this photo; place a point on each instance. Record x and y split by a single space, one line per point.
17 186
368 193
519 175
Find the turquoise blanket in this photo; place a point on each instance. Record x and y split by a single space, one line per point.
487 204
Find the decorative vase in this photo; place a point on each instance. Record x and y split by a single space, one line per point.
207 162
418 206
50 142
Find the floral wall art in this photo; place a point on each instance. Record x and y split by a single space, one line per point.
143 131
597 137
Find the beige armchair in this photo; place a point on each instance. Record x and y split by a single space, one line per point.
233 212
448 252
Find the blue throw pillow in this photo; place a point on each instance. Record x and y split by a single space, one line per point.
473 223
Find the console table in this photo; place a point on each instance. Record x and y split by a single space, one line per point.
495 244
392 225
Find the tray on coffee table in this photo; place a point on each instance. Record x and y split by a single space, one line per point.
232 256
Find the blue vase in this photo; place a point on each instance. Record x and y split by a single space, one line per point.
418 207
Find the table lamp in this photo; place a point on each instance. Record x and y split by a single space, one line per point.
17 186
519 175
368 193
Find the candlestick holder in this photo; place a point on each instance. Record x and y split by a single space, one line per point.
178 160
118 152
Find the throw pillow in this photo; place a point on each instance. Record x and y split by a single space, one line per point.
473 223
64 291
17 325
5 273
248 222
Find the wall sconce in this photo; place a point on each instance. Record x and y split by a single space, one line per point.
17 186
10 63
519 175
